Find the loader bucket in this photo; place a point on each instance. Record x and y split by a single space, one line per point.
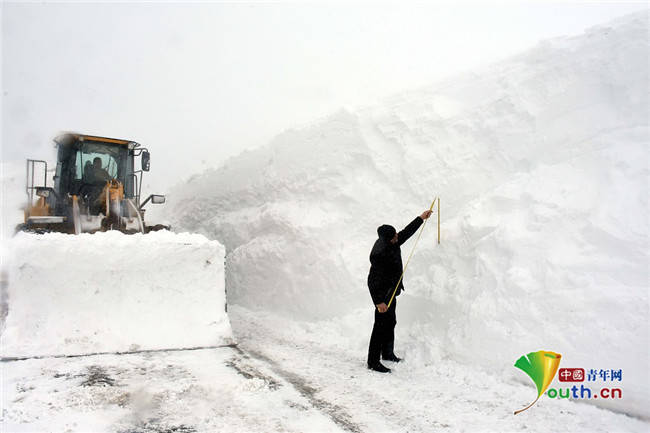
109 292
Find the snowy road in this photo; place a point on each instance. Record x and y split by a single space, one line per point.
444 397
162 392
278 379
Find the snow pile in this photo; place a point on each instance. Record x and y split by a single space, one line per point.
108 292
14 197
541 163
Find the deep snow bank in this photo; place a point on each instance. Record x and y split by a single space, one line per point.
541 163
113 292
14 198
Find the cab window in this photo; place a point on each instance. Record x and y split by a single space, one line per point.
84 162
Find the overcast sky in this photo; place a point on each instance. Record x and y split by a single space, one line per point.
198 83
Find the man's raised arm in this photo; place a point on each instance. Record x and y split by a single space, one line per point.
412 227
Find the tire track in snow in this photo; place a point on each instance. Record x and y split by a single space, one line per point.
250 372
129 352
336 413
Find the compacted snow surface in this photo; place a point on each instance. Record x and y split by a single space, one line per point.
285 376
541 165
209 390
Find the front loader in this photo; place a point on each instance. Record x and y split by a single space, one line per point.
85 276
96 188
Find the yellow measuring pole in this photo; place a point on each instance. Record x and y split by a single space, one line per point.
414 245
438 219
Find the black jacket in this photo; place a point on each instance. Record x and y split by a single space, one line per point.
386 264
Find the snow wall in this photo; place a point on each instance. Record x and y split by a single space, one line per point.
541 163
110 292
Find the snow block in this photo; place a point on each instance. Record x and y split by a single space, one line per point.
110 292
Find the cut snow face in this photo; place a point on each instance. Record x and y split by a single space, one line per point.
541 164
110 292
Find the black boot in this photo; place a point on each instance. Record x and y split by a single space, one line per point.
391 357
379 367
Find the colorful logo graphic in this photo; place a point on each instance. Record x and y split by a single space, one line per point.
541 367
571 374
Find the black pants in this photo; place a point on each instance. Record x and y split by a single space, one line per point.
383 334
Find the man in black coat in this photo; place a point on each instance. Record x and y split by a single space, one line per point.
385 272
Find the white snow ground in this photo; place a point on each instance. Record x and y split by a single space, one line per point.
210 390
286 376
441 396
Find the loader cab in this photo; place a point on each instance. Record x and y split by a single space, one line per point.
86 163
